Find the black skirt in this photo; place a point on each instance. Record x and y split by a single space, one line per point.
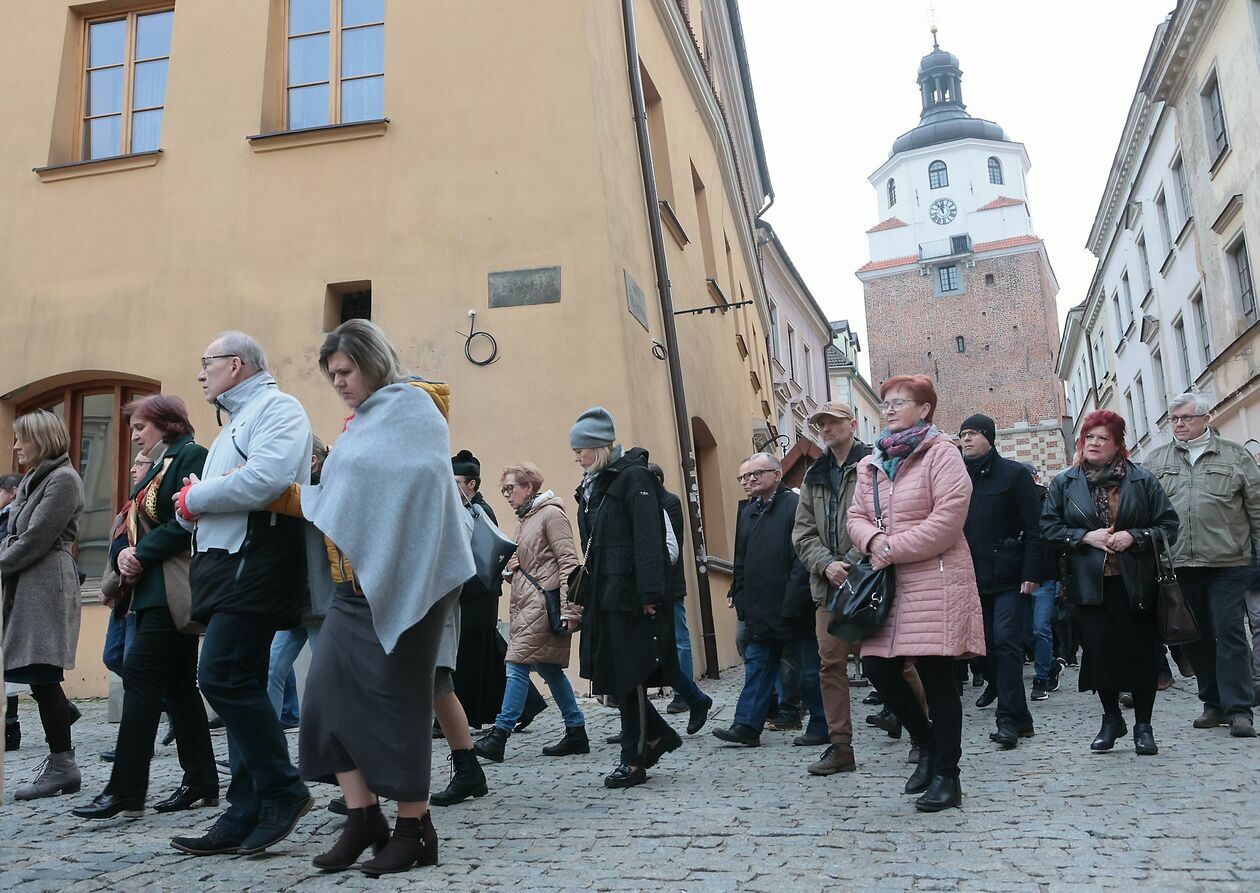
368 710
35 674
480 675
1118 643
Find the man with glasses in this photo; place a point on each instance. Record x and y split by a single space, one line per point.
247 582
769 592
1214 485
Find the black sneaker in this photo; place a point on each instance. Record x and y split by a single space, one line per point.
220 840
786 720
987 697
276 821
739 734
1040 690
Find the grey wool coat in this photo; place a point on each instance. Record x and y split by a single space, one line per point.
37 571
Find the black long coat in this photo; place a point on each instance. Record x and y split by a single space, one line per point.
1069 514
768 571
677 576
1003 524
622 527
480 674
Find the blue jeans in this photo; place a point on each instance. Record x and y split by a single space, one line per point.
1005 619
517 688
684 684
1042 617
286 645
761 669
118 638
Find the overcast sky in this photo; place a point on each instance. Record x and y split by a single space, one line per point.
835 84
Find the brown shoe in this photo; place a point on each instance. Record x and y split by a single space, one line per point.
1210 719
414 842
365 827
836 758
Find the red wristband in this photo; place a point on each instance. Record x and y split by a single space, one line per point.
182 503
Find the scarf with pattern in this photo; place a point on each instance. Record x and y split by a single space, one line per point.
895 447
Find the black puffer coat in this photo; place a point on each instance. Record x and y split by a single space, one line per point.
623 537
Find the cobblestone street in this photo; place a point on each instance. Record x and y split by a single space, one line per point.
1048 816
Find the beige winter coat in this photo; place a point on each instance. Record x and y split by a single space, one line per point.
544 549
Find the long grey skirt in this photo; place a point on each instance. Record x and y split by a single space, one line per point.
368 710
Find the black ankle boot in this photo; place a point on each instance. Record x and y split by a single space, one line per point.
490 746
922 777
365 827
886 720
1144 739
573 742
467 780
414 843
1113 727
944 792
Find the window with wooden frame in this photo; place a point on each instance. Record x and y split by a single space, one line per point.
101 450
334 62
125 61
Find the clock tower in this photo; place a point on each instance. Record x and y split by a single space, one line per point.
959 286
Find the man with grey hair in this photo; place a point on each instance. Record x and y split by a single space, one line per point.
246 584
1215 487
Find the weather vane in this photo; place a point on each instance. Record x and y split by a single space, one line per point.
932 23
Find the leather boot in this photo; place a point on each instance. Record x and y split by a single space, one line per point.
573 742
414 842
918 782
12 727
59 774
490 746
1113 727
1144 739
467 780
886 720
365 827
944 792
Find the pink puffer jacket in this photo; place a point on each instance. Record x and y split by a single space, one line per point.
936 610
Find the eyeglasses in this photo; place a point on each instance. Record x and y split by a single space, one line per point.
895 405
753 475
1185 419
1098 438
206 361
507 489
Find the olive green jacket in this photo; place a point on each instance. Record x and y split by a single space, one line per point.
809 532
1217 500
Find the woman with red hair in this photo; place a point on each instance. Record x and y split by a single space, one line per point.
1108 514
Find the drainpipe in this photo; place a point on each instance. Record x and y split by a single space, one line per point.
682 420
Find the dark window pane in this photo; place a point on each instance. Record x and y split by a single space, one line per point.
97 447
308 107
150 85
107 43
146 131
363 99
104 91
102 137
363 51
308 59
306 16
360 12
153 35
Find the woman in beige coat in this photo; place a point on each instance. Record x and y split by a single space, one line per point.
545 556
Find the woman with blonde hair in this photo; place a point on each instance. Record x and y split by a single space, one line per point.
41 590
544 558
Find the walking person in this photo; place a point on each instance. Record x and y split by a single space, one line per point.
1105 512
160 667
769 579
1214 486
397 548
820 536
627 639
545 557
12 724
935 615
246 584
41 591
1040 630
1003 534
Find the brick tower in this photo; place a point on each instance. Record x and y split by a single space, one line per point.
958 286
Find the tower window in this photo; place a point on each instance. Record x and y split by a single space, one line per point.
938 175
947 279
995 170
989 279
962 344
892 193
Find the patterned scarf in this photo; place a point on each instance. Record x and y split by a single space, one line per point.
1102 479
898 446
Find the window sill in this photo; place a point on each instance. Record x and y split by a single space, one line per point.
1168 259
1220 160
673 224
315 136
1146 298
1185 232
73 169
716 293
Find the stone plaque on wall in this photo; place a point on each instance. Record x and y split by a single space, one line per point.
636 301
517 288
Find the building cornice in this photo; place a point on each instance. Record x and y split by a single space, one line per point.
1189 26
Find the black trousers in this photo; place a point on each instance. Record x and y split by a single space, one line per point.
233 677
640 723
944 733
160 672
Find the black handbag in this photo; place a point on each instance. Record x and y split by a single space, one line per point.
490 547
555 619
1174 621
859 606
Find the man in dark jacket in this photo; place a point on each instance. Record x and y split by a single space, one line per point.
687 695
1041 633
768 591
1003 531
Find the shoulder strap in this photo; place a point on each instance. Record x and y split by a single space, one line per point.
879 511
533 581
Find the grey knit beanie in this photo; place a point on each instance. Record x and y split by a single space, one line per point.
594 428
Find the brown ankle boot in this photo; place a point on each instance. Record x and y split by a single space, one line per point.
364 827
414 843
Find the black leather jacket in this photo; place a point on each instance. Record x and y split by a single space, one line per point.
1069 514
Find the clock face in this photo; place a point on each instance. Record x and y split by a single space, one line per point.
943 211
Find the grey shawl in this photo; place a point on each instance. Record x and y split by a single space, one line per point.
387 498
